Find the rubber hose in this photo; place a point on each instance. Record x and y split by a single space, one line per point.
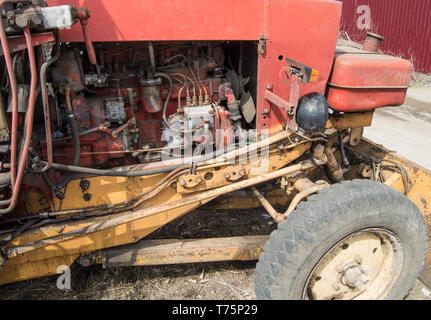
76 159
115 173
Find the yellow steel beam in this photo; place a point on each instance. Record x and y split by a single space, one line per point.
173 251
350 120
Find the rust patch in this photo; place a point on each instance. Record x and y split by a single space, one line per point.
424 204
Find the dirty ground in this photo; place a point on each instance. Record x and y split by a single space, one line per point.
222 280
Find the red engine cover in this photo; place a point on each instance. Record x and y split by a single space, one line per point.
364 81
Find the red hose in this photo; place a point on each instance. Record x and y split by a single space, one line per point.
28 124
13 85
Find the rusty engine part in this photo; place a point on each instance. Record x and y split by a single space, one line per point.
302 184
145 110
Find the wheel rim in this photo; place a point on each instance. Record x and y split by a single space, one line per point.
364 265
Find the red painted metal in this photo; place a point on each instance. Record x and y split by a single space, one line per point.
405 24
302 30
155 20
305 30
17 43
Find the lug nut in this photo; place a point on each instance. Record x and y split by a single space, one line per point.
336 286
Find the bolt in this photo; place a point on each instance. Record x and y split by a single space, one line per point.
268 86
87 197
358 259
335 286
182 182
227 175
85 185
21 21
339 268
318 151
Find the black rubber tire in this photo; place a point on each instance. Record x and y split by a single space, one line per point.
328 217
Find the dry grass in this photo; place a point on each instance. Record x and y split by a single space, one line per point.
224 280
207 281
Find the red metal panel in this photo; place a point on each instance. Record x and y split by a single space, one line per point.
304 30
152 20
405 24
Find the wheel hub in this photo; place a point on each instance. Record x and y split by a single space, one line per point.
354 276
364 265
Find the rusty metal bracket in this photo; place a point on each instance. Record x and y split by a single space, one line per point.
190 180
289 107
262 45
235 173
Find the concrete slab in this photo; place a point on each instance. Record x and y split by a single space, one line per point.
420 94
406 129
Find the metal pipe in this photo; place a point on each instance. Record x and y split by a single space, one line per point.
45 101
83 16
319 185
152 58
28 125
13 85
278 217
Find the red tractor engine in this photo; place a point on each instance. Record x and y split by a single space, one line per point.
124 107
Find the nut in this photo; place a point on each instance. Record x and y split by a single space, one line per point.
335 286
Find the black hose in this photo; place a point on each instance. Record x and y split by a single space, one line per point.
343 152
148 172
17 232
76 159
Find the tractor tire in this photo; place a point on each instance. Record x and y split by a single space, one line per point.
328 248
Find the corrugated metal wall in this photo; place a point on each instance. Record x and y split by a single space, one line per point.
405 24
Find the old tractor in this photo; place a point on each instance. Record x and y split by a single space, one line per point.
118 117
